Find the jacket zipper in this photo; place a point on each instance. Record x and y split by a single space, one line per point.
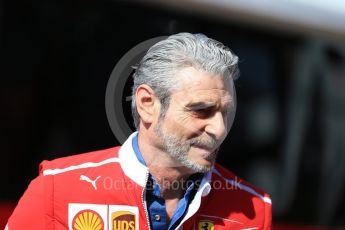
143 200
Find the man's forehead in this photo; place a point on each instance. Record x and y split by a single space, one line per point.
208 93
209 97
203 97
190 78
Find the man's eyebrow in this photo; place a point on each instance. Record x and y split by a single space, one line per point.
200 105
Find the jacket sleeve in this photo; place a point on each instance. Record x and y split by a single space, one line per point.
29 213
35 210
268 216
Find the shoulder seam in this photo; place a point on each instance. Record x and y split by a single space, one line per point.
47 172
244 187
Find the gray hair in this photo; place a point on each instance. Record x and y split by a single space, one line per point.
158 67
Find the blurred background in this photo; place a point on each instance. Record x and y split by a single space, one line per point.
289 132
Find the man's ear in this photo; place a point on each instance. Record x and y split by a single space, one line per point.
145 102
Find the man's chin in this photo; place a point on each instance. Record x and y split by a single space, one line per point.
205 156
202 168
204 159
201 165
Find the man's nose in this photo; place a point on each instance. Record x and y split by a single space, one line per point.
216 126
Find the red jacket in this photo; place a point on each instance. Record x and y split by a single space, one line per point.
106 190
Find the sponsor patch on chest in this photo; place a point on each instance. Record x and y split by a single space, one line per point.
102 217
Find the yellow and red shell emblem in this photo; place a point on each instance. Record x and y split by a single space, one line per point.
87 220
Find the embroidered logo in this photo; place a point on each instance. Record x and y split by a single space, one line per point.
205 225
123 220
123 217
92 182
83 216
87 220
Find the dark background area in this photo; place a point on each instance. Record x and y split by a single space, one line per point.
57 59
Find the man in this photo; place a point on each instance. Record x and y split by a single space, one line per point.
164 176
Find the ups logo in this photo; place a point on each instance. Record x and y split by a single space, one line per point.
205 225
123 220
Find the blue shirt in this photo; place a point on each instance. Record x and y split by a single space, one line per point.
156 204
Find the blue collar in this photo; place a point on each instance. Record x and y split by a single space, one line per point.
136 149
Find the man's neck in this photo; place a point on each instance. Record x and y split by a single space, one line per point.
172 182
172 177
167 171
173 185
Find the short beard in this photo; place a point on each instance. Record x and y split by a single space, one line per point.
178 149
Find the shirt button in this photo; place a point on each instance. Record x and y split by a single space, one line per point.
157 217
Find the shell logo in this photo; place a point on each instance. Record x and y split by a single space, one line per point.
87 220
